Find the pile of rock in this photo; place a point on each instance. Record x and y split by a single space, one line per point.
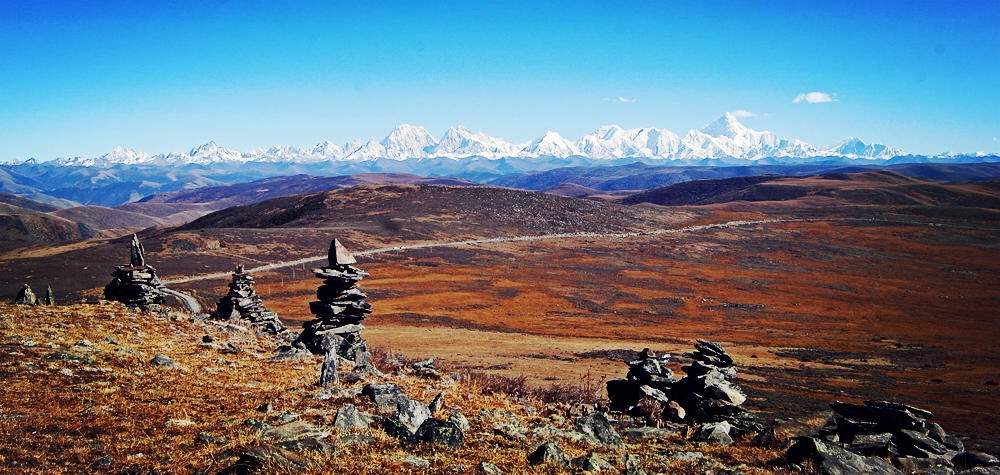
136 284
704 395
861 436
242 302
339 310
26 296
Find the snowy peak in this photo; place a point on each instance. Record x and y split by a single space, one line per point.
126 156
407 141
854 147
327 150
211 152
726 126
612 141
551 144
723 139
460 142
370 150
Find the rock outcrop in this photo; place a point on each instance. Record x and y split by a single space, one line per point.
136 284
243 303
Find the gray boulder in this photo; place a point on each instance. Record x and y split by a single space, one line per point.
833 460
486 468
411 414
438 432
349 417
163 361
596 425
460 420
717 432
633 465
591 463
550 454
385 396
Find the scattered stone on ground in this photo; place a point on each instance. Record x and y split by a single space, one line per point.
136 284
243 303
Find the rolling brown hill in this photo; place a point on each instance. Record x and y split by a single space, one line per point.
20 230
571 189
114 221
261 190
25 203
429 211
868 188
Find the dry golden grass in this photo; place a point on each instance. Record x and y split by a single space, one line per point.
79 395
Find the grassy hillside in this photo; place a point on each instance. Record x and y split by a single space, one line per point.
117 413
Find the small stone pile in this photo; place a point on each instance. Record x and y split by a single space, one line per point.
339 311
858 437
136 284
242 302
704 395
26 296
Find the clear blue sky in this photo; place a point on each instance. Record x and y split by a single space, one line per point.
79 77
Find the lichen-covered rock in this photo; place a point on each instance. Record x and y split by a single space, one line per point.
439 432
549 453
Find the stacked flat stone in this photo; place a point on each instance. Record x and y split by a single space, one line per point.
859 436
242 302
339 309
704 394
136 284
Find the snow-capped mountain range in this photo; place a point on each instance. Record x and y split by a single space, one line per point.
725 138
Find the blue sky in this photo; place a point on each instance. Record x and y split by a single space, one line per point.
79 77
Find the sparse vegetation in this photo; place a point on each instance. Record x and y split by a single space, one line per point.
80 395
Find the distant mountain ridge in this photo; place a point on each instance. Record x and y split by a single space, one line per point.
725 139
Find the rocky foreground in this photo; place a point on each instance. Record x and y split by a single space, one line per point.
100 388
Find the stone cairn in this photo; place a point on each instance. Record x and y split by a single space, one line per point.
136 284
339 309
859 437
241 302
26 296
705 395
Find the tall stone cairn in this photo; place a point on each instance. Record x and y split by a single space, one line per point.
136 284
339 309
242 302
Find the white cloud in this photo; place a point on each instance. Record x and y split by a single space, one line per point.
624 100
814 97
742 114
